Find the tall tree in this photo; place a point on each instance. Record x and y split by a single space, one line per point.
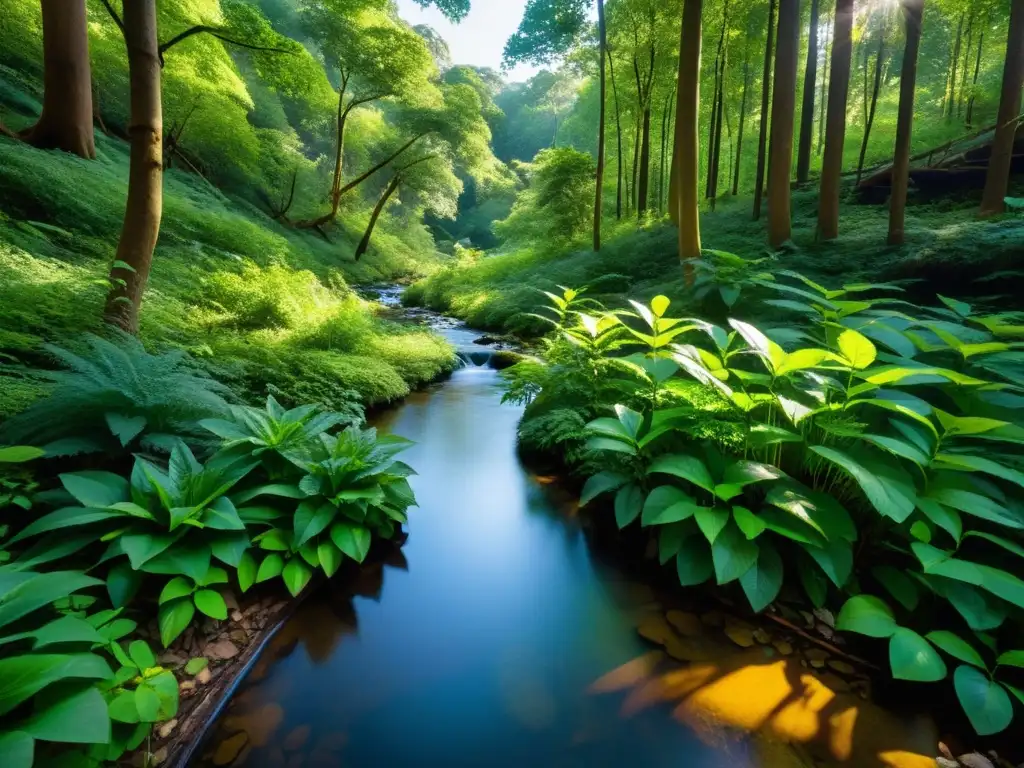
783 106
618 137
954 61
969 117
144 208
998 177
835 132
715 127
602 34
743 117
824 87
913 10
686 162
879 56
766 90
66 120
803 155
965 67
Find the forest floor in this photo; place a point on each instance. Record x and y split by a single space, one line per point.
254 302
947 248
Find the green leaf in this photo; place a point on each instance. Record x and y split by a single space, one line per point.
961 308
977 505
629 502
866 615
857 349
173 618
19 454
609 444
891 496
985 702
1002 584
311 518
211 603
1011 659
125 428
330 557
122 584
693 562
22 677
945 518
898 584
196 665
938 562
65 518
659 305
275 489
246 571
177 587
835 559
39 590
141 655
80 718
66 629
711 521
96 489
667 504
122 708
911 657
955 647
600 483
271 566
670 539
751 525
763 581
353 540
687 467
296 575
147 703
631 420
733 554
16 749
814 582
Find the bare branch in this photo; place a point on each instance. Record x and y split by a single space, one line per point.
215 32
113 15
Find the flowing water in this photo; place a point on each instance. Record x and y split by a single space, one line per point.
481 642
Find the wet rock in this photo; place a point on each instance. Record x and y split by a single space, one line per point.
945 762
237 616
761 636
655 628
296 738
502 358
204 676
686 624
186 686
816 654
817 663
230 748
167 728
975 760
239 636
842 667
222 649
160 756
784 647
742 635
713 619
825 631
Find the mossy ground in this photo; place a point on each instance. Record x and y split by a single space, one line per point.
947 247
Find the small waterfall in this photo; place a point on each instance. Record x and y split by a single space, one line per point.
475 358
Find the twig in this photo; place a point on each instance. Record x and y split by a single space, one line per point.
113 15
818 641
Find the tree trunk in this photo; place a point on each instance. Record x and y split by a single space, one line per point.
599 193
964 67
913 10
874 104
716 153
766 88
145 175
824 88
685 160
66 120
969 119
803 155
835 132
364 244
618 136
643 189
864 91
636 161
661 158
739 128
998 177
952 73
783 107
715 129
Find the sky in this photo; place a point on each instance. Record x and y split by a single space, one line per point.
479 39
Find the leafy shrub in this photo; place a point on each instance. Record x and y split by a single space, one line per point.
870 451
115 396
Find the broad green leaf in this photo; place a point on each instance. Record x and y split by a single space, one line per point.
16 749
961 308
211 603
173 618
897 584
1011 659
911 657
956 647
600 483
246 571
122 708
977 505
693 562
296 575
813 580
609 427
79 718
763 581
177 587
670 539
938 562
835 559
711 521
802 360
629 503
19 454
330 557
866 615
751 525
66 629
1002 584
985 702
892 496
353 540
96 489
980 610
899 447
733 554
667 504
312 517
21 677
190 558
274 489
147 703
68 517
39 590
770 352
271 566
125 428
970 463
746 472
229 547
687 467
945 518
857 349
611 444
631 420
659 305
122 584
141 655
196 665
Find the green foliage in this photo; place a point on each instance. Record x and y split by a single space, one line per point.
868 451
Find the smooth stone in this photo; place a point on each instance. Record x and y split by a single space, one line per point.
762 636
222 649
204 676
742 636
975 760
784 647
842 667
167 728
687 624
230 748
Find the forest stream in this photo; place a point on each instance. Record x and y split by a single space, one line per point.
499 636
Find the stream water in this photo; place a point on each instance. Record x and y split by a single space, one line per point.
480 643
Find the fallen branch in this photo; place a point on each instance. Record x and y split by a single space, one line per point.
820 642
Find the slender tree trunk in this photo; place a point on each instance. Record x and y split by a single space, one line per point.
716 152
145 175
687 140
865 90
636 161
766 89
824 87
783 107
952 73
964 68
835 132
715 128
969 119
364 244
599 193
643 190
669 143
338 146
66 120
661 157
618 136
803 155
874 104
913 11
997 179
739 128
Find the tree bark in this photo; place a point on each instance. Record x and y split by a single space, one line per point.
835 132
783 108
824 88
661 156
643 188
687 139
766 89
997 179
716 154
618 136
715 129
364 244
803 155
66 120
874 104
952 74
739 128
636 161
599 193
969 119
964 67
145 175
913 10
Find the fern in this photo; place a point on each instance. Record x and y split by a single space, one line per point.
115 394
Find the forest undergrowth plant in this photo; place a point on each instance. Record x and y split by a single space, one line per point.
870 452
